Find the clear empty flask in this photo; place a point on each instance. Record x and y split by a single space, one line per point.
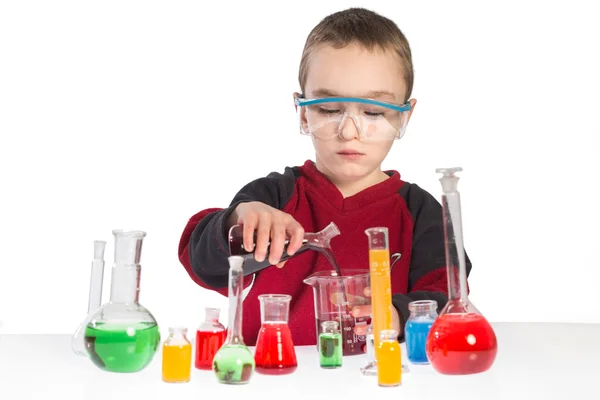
461 341
122 335
275 353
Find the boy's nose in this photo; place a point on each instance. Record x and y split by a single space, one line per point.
349 128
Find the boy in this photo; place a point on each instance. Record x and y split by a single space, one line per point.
356 78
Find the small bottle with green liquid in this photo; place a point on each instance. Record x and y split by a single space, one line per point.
122 335
330 345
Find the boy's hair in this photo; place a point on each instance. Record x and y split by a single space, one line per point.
363 27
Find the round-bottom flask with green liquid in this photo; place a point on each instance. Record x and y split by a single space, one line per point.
122 347
234 363
122 335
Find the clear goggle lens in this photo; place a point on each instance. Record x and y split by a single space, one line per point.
326 118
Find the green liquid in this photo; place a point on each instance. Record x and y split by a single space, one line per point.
122 347
233 364
330 350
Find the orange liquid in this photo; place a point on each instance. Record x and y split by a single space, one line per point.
381 293
389 363
177 363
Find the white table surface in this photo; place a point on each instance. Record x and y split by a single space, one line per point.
535 361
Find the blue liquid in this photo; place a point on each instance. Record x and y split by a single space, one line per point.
415 334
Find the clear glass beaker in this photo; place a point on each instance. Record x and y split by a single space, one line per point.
334 298
274 353
461 341
423 314
234 363
177 356
210 336
122 335
317 241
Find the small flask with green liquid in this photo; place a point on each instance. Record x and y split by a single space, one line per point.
330 345
234 363
122 335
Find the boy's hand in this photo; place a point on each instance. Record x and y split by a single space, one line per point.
365 310
271 225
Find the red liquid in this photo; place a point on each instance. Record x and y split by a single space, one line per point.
460 344
207 345
275 353
352 344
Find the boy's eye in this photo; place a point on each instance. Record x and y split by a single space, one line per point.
328 111
373 114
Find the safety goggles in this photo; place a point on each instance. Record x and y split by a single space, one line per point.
326 118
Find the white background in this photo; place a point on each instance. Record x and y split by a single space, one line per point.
131 114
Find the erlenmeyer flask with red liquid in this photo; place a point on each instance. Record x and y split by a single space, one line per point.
275 353
461 341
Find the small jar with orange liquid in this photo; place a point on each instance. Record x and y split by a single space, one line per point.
389 359
177 357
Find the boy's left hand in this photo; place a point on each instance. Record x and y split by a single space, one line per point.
365 310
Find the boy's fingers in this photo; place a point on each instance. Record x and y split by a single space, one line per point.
281 264
367 291
361 311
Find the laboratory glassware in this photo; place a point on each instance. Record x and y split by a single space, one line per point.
334 298
330 345
234 363
461 341
319 241
177 356
210 336
423 314
275 353
122 335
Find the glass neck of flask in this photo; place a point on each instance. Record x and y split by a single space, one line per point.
125 284
236 286
455 252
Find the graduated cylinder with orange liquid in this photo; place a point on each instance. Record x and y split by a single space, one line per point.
177 357
381 292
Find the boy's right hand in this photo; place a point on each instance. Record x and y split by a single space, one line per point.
271 225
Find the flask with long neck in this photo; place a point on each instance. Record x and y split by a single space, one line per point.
234 363
461 341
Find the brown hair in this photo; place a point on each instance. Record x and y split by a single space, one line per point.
364 27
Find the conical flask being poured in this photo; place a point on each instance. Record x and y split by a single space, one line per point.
121 335
317 241
461 341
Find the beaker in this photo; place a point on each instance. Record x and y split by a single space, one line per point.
122 335
334 298
423 314
234 363
461 341
318 241
210 336
177 356
274 353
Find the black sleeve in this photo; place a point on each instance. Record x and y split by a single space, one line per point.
209 247
427 274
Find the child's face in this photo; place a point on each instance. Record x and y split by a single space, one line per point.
353 72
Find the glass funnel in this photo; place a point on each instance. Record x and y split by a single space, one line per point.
318 241
122 335
334 298
461 341
275 353
234 363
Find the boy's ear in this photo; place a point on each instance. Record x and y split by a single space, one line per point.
296 94
413 103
